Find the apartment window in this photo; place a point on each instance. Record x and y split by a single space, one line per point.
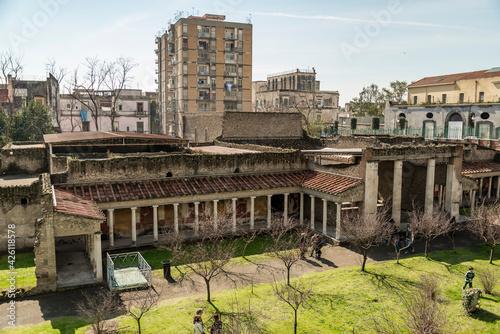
140 107
240 71
309 85
213 58
68 106
230 56
140 127
231 70
213 32
461 98
185 94
120 107
429 98
184 43
240 34
213 45
213 82
415 99
128 128
229 46
481 96
185 55
116 126
185 81
185 69
444 98
184 29
85 126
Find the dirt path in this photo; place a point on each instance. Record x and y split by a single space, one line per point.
37 309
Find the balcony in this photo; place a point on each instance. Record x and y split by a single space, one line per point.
203 34
230 74
203 48
230 96
203 85
230 37
203 72
139 113
204 98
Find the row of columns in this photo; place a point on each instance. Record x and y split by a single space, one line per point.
490 186
234 218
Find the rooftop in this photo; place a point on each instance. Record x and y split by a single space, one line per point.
68 203
452 78
222 150
478 167
124 137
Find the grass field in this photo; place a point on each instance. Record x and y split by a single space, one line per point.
344 300
24 268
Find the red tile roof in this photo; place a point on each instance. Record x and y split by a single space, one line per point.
58 138
480 167
173 187
451 78
72 204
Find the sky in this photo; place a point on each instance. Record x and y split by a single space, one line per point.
351 44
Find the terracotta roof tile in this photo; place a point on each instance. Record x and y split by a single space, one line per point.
69 203
480 167
173 187
451 78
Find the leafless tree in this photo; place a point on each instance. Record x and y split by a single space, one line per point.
118 77
59 73
294 294
10 66
364 231
139 302
97 308
240 321
70 87
207 257
489 279
286 243
485 225
428 225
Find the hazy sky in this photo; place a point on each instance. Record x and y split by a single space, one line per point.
350 43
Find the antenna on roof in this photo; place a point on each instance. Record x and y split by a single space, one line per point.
249 19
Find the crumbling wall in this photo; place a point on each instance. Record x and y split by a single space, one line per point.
202 128
24 158
357 141
261 125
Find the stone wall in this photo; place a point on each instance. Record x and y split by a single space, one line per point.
24 158
474 153
354 141
59 164
201 128
261 125
155 167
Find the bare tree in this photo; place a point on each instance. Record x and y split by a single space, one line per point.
11 68
295 295
428 225
286 243
485 225
70 87
365 230
207 257
139 302
240 321
118 77
59 73
97 307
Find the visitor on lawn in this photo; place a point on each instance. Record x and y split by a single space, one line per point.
198 325
409 240
468 278
216 327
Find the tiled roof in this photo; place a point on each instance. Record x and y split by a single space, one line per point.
58 138
480 167
72 204
173 187
451 78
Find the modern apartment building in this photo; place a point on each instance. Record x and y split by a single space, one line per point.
204 69
298 90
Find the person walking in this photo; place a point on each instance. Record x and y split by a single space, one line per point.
317 247
314 239
198 322
468 278
409 240
216 327
303 245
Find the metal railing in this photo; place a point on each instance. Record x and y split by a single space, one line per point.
122 261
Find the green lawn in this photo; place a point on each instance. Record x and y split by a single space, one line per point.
344 300
25 270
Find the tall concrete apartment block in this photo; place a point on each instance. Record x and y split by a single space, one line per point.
204 69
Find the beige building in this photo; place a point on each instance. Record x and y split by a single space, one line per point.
204 69
295 90
470 87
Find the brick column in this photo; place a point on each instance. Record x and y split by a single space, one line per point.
338 228
285 210
252 213
111 222
480 190
396 191
453 192
312 212
429 186
155 223
215 214
234 214
489 186
498 187
196 218
98 256
301 209
472 202
134 227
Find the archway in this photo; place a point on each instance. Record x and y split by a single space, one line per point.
455 126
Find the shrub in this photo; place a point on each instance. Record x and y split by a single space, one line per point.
489 280
468 298
428 287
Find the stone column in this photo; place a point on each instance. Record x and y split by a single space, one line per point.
269 211
111 222
498 187
429 186
325 215
98 256
155 223
312 212
489 186
453 193
234 214
338 229
285 213
176 218
215 214
252 212
472 202
396 191
134 226
196 218
301 209
371 188
440 196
